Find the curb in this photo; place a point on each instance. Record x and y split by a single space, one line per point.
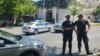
95 24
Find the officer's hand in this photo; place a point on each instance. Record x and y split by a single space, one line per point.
69 28
62 29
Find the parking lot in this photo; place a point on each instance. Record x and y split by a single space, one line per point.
53 40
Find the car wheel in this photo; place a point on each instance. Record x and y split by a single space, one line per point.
29 54
49 29
36 32
56 31
26 33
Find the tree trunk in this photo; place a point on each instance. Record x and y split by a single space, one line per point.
73 18
14 19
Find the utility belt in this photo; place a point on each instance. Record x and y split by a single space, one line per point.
82 31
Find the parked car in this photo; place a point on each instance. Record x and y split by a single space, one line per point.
39 21
97 20
36 27
6 23
57 26
19 23
14 45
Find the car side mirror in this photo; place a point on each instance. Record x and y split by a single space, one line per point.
2 43
46 24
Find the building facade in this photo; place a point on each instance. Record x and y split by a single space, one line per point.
57 14
90 3
52 15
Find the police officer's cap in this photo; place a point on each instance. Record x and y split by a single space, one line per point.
80 15
67 16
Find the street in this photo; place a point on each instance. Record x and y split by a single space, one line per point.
53 40
35 16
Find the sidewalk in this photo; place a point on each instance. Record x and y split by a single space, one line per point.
95 24
13 30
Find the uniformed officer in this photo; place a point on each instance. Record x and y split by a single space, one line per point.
67 30
82 33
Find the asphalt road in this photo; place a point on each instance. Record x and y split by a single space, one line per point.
53 40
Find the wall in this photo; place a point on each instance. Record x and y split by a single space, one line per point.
59 14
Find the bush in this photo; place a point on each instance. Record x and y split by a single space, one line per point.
98 55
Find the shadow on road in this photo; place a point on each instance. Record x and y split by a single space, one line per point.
54 51
57 31
29 34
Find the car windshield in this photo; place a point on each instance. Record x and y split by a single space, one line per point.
98 19
60 22
31 23
9 36
39 21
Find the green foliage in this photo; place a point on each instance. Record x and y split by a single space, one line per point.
96 11
98 55
1 9
75 7
52 3
16 7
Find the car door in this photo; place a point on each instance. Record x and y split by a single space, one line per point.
39 26
9 49
44 26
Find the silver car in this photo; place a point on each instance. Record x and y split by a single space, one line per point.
36 27
14 45
57 26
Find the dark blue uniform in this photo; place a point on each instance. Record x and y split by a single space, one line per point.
67 35
82 34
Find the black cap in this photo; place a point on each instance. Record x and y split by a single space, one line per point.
80 15
67 16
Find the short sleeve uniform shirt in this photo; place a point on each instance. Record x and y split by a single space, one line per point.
67 24
81 25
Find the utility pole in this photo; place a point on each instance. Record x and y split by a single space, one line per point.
57 11
43 3
43 11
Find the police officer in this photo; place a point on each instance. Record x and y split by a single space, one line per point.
67 30
82 33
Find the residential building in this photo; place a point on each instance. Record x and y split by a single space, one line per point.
58 14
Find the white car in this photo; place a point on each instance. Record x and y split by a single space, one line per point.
57 26
36 27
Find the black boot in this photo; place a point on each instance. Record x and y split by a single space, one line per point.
70 53
63 53
79 51
89 53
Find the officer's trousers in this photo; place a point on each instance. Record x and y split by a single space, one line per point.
67 37
83 36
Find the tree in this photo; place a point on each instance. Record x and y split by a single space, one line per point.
1 9
75 7
15 8
96 11
52 3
